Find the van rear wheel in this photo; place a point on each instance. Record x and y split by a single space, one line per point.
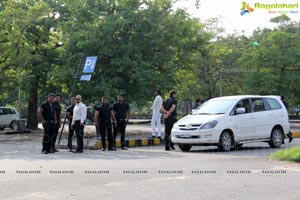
276 138
185 147
225 141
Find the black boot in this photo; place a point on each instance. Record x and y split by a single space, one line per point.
290 137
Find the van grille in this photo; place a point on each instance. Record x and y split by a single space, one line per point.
189 127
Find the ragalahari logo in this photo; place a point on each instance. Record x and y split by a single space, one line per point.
246 8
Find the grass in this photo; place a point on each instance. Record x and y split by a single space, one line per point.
289 154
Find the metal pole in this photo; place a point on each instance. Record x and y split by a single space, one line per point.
221 83
19 89
73 88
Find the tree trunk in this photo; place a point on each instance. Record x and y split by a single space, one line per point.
32 118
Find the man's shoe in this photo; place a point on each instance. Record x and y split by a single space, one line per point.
112 149
102 149
167 149
44 152
172 147
152 136
124 148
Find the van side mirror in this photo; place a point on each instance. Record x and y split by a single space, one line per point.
240 110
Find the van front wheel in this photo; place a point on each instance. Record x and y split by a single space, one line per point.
185 147
225 141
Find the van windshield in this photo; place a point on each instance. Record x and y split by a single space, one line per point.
214 107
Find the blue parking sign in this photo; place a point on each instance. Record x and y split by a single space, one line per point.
90 64
86 77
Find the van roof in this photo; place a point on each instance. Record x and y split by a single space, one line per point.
237 97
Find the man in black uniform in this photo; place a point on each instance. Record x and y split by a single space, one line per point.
103 116
286 104
170 114
47 114
121 110
69 114
57 125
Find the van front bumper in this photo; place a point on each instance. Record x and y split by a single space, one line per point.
209 136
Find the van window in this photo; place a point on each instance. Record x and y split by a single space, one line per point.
244 104
258 105
11 111
5 111
273 103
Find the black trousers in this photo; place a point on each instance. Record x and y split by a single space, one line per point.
53 139
79 135
120 128
70 136
106 129
169 122
48 135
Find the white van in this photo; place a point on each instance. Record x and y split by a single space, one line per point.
232 121
8 117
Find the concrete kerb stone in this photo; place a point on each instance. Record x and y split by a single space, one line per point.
141 142
129 143
296 134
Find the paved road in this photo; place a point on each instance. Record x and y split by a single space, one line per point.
146 173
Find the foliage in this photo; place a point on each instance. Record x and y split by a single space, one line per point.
141 45
289 154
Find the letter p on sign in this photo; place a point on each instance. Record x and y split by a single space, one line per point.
90 64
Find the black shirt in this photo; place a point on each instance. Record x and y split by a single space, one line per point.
48 111
285 103
104 113
57 109
121 110
168 105
70 110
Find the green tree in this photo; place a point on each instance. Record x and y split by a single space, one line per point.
30 43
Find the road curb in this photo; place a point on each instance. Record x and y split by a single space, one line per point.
296 134
129 143
139 143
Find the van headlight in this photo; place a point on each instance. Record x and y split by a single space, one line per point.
209 125
175 126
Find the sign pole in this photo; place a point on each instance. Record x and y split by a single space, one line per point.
73 88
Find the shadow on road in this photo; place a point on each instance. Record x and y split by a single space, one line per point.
32 151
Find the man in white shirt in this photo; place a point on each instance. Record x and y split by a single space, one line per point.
156 115
78 121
